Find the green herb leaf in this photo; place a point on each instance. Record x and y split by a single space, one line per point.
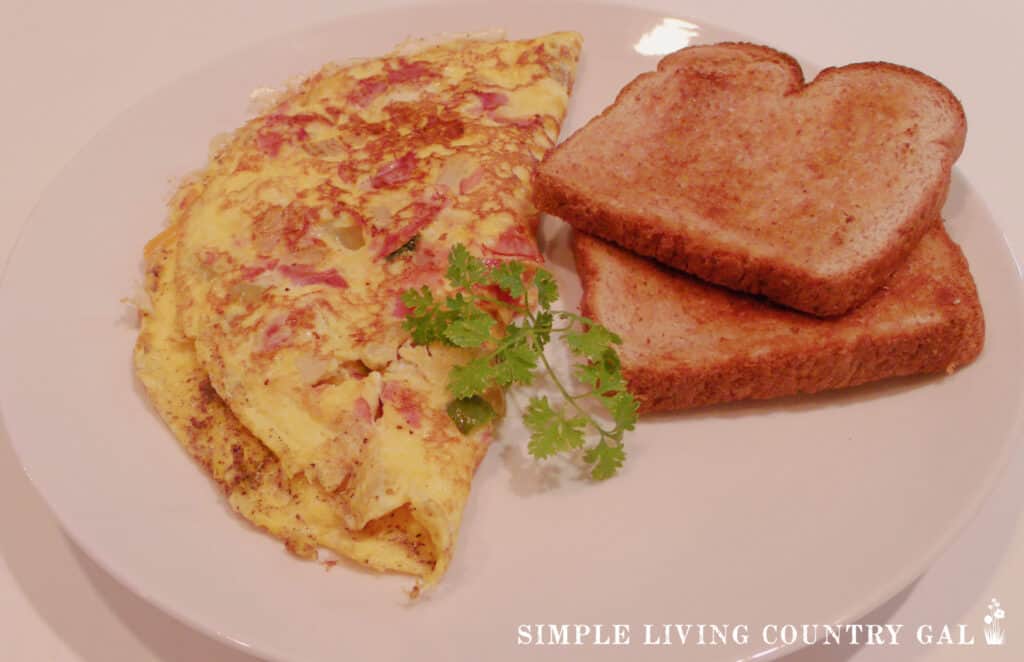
604 374
606 460
427 321
542 325
623 408
420 300
515 365
459 306
471 330
509 277
464 270
592 342
547 288
471 379
551 431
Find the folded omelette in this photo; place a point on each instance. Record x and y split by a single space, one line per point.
274 347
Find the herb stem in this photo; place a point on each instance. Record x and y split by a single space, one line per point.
605 434
510 338
572 400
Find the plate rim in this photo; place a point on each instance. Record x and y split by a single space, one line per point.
1013 435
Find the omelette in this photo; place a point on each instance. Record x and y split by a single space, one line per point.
292 509
275 348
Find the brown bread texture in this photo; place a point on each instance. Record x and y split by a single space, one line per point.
723 163
687 343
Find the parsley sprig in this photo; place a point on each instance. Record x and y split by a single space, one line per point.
510 354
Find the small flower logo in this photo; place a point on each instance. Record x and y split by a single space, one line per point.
995 635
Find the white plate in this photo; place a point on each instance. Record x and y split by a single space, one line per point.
811 510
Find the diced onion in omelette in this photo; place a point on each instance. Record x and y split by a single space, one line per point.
290 253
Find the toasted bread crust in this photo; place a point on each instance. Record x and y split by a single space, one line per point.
781 282
796 353
564 188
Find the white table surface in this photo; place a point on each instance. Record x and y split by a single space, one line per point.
68 68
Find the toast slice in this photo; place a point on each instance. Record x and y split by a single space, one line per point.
723 163
687 343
